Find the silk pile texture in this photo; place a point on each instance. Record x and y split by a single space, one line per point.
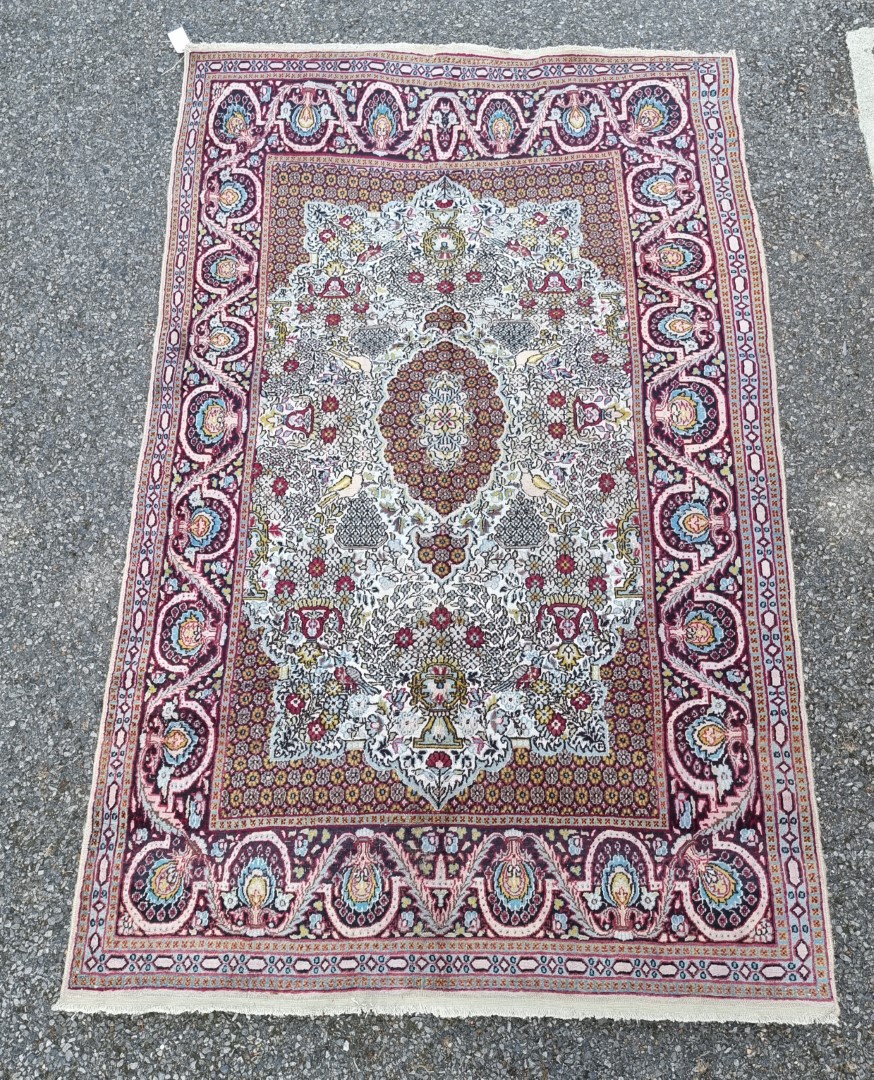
456 667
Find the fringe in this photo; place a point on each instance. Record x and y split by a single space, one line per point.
456 1004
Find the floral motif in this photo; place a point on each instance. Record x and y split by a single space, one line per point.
457 427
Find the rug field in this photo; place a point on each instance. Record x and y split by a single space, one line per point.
456 667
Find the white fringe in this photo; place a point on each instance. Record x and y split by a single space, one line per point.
452 48
451 1004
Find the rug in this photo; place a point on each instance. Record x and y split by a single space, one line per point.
860 43
456 667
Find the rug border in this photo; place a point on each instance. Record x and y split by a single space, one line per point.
783 503
154 374
460 1003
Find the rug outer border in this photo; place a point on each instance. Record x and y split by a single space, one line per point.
783 505
459 1003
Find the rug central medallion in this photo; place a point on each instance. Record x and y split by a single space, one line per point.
443 546
442 422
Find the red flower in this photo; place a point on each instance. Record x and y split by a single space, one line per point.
328 434
556 314
257 469
330 404
345 584
295 704
527 302
475 637
280 486
304 307
446 287
597 584
325 235
555 399
332 320
285 587
440 618
416 277
534 581
606 483
316 730
474 276
316 567
565 564
631 463
438 759
556 724
291 365
404 637
582 701
540 218
345 221
600 358
557 429
626 367
361 307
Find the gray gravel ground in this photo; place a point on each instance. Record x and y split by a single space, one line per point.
87 108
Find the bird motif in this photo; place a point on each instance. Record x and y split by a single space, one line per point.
347 487
528 358
361 365
538 487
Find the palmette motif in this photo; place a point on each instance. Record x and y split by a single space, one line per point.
440 472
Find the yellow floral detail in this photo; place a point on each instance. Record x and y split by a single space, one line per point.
308 654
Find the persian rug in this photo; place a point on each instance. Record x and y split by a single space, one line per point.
456 668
